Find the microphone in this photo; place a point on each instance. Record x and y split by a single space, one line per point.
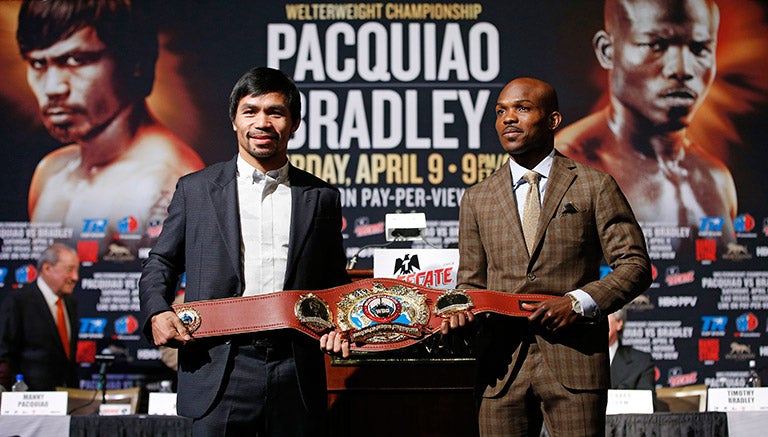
105 358
352 261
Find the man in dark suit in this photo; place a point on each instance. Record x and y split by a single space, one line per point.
248 226
631 369
552 366
32 341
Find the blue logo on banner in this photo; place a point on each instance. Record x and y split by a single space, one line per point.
3 274
126 325
94 225
713 323
92 326
711 224
744 223
26 274
127 225
746 322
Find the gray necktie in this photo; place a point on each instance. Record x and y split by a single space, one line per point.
532 209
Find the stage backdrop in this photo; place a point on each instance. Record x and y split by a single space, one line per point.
398 113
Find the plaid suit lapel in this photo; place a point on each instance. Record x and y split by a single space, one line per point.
561 176
503 191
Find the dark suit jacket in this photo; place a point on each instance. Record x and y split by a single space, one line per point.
632 369
201 236
30 343
584 218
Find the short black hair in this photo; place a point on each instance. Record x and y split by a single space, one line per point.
262 80
125 26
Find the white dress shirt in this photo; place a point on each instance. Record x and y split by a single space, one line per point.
264 201
612 348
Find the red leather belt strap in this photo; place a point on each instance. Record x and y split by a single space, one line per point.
376 314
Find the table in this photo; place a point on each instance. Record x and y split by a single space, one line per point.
660 424
82 426
667 424
130 426
747 423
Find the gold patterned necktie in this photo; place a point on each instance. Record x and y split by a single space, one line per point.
532 209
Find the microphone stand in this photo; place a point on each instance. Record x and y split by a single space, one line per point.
104 360
352 261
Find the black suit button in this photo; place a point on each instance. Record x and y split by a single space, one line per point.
531 276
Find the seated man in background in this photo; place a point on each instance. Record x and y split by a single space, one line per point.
631 369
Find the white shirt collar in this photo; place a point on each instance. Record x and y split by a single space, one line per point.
48 294
246 170
50 299
541 168
612 350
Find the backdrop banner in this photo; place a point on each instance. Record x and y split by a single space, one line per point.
398 112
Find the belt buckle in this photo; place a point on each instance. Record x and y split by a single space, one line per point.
383 315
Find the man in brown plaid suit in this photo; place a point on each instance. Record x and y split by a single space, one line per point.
552 366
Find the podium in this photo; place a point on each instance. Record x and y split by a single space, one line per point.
386 394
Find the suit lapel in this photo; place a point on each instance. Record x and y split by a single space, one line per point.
74 325
621 362
561 177
222 192
41 306
504 192
303 205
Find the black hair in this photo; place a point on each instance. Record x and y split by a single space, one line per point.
125 27
262 80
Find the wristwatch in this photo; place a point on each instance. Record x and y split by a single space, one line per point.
576 305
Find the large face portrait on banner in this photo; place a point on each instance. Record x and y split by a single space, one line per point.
661 62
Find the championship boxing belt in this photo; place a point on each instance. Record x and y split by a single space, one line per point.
374 314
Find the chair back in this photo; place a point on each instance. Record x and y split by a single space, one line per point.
689 398
85 402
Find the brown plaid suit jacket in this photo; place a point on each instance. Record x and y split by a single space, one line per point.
584 218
